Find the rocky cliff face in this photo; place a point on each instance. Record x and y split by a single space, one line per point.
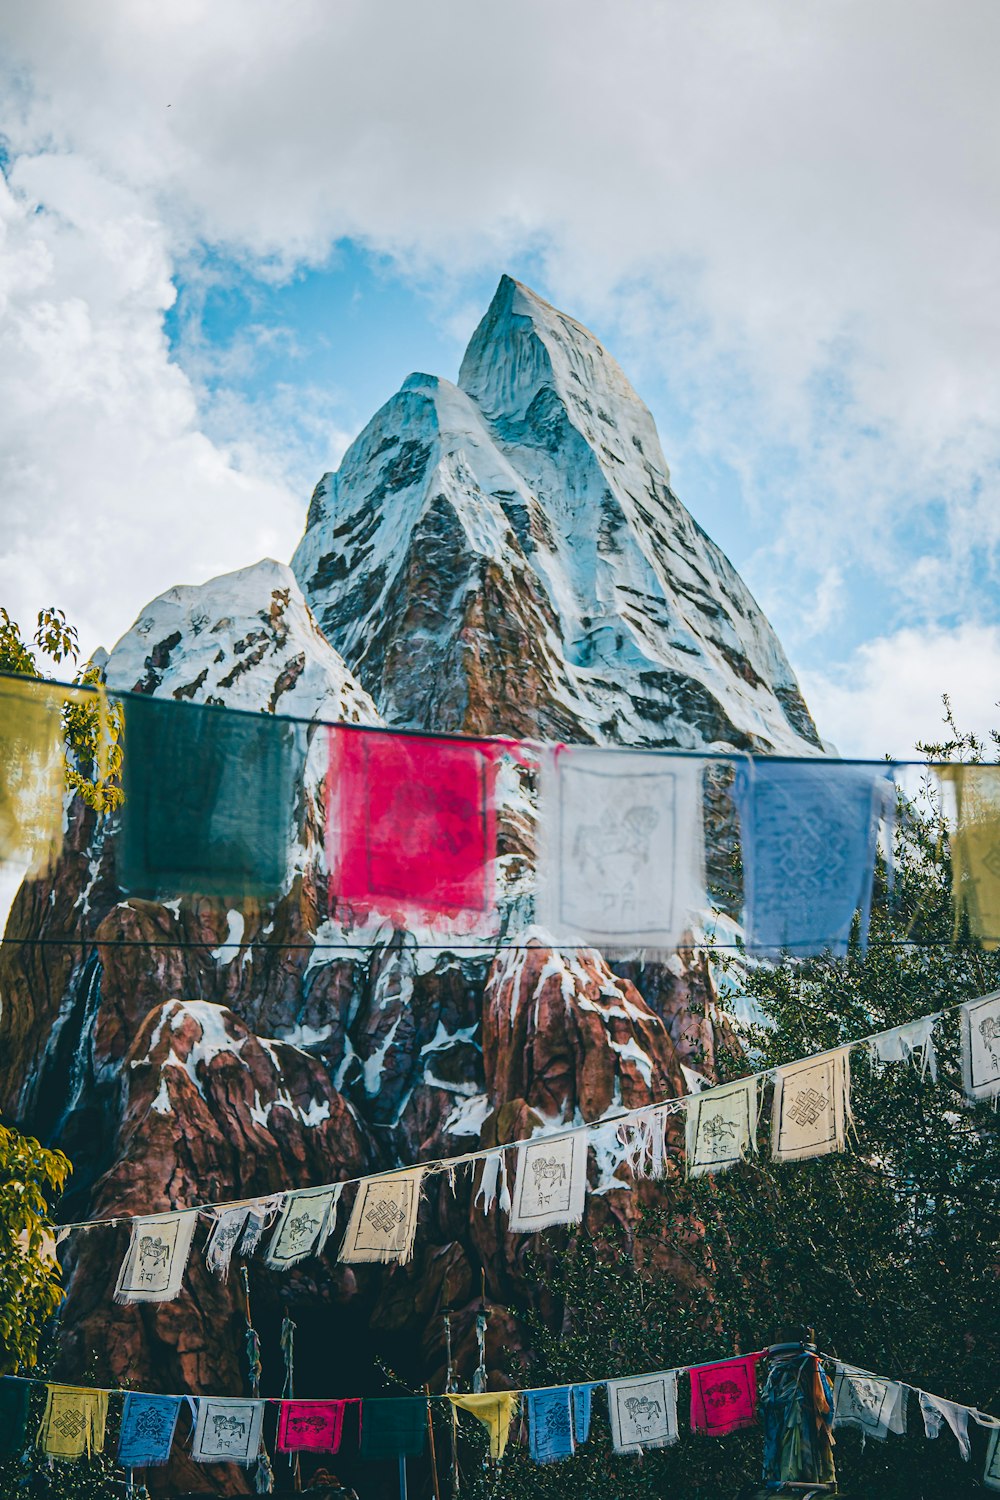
507 555
504 555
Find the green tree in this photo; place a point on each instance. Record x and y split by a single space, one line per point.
30 1288
891 1250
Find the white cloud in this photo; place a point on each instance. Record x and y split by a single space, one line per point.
789 210
888 696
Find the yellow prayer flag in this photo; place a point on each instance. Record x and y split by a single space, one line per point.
31 772
74 1421
496 1410
975 848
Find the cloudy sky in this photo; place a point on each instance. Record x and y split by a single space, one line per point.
230 228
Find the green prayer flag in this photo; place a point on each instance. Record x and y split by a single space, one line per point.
393 1428
14 1396
210 796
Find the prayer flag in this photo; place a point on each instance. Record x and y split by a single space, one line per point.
724 1396
550 1186
811 1109
74 1422
393 1428
31 773
721 1127
493 1177
643 1412
872 1404
306 1223
914 1041
809 831
991 1474
383 1220
550 1425
981 1047
14 1398
411 826
936 1412
975 848
209 800
621 848
153 1267
148 1425
582 1403
496 1411
311 1426
229 1225
227 1431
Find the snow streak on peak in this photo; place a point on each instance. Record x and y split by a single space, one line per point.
247 640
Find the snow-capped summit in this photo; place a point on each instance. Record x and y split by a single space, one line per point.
247 640
506 555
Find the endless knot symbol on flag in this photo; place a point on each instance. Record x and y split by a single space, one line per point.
384 1216
70 1423
807 1107
150 1424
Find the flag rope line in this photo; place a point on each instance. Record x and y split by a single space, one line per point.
670 1106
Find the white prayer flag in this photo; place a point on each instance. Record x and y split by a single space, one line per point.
493 1178
227 1431
153 1267
384 1219
868 1402
229 1225
721 1127
937 1411
991 1474
981 1047
305 1226
550 1185
643 1412
621 847
811 1109
912 1042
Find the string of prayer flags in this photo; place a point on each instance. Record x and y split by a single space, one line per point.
811 1109
393 1427
14 1398
621 847
991 1473
31 773
227 1431
936 1412
411 826
724 1396
383 1221
74 1422
307 1221
158 1251
975 848
809 832
147 1432
550 1425
209 800
496 1410
868 1402
721 1127
981 1047
550 1184
912 1042
643 1412
312 1426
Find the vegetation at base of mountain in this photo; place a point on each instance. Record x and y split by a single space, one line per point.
30 1288
92 732
890 1251
29 1475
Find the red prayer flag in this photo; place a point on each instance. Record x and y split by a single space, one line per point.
411 826
724 1397
316 1426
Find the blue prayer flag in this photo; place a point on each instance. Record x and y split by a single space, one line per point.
809 831
581 1411
148 1424
550 1425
